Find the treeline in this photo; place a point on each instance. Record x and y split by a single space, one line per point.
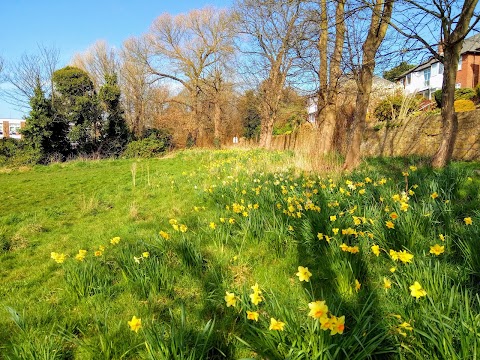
208 75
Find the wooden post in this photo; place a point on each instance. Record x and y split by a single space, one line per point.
6 129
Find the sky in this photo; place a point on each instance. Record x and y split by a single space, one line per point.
72 27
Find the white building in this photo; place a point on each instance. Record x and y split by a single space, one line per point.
425 79
10 128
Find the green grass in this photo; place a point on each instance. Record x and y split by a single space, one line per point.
251 217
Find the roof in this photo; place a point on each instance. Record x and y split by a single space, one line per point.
472 44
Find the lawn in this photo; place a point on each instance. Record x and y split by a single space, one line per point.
238 254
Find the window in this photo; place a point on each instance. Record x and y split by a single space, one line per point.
409 79
426 77
440 68
435 69
460 63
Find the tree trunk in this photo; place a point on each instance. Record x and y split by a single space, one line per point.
449 118
381 15
217 114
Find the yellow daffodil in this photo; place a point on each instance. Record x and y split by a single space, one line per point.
442 237
387 284
98 253
212 226
404 206
255 298
115 240
404 256
376 249
164 235
337 325
434 195
135 324
390 225
183 228
145 254
325 323
357 285
468 221
437 249
335 231
393 215
405 325
416 290
318 309
393 269
303 274
256 288
393 255
320 236
276 325
230 299
252 315
81 255
59 258
413 168
333 217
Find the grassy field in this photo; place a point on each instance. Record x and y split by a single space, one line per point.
239 255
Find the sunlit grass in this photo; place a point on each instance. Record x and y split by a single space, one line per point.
198 224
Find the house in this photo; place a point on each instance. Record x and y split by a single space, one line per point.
427 77
10 128
381 88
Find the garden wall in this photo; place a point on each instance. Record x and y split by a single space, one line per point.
418 135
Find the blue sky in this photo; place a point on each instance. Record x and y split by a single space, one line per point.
73 26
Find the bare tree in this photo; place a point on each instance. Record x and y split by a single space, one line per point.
440 26
269 32
184 49
381 12
27 72
98 60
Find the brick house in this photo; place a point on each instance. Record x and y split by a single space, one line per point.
10 128
427 77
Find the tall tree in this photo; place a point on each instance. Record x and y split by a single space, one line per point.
396 71
115 132
77 103
440 27
381 12
185 49
24 74
270 29
43 131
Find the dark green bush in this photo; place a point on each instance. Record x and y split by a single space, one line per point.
437 95
14 152
155 142
460 94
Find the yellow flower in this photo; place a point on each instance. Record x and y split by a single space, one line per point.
164 235
338 325
303 274
394 255
231 221
390 225
333 217
59 258
255 298
413 168
357 285
393 269
290 228
135 324
437 249
405 325
98 253
335 231
276 325
434 195
175 227
442 237
325 323
404 256
81 255
405 173
387 284
344 247
393 215
145 254
115 240
183 228
417 291
101 248
404 206
256 288
468 221
318 309
212 226
172 222
320 236
230 299
376 249
252 315
368 180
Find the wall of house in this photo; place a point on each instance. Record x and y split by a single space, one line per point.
9 128
469 74
420 135
417 83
